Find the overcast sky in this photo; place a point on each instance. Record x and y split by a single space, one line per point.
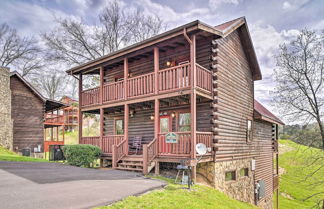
271 22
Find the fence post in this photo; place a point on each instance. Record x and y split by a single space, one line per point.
145 160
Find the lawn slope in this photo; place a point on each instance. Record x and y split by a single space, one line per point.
6 155
174 196
297 162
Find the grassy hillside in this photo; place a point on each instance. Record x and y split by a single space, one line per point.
6 155
173 196
298 162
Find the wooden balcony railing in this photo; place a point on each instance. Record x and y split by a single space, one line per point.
170 79
90 97
150 151
177 77
113 91
140 85
205 138
118 152
109 141
204 78
54 119
93 140
181 148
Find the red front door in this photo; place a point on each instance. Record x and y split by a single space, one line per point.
165 127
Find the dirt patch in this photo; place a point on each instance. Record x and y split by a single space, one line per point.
287 196
284 148
281 171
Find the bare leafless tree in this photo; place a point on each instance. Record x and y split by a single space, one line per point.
73 42
300 75
18 52
53 84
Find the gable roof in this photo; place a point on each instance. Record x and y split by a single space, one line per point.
221 31
262 113
49 103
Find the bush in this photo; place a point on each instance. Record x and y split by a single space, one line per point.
81 154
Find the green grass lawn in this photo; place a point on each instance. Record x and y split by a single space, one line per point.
298 163
173 196
6 155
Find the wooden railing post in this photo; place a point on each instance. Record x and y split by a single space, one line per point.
156 70
114 156
145 159
125 77
101 85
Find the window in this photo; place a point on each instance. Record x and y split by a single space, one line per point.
119 126
249 131
230 176
244 172
184 122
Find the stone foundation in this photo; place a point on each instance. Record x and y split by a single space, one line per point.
213 174
6 137
266 203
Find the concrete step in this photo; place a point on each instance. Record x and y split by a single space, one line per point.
129 169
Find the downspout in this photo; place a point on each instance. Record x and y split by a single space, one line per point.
74 76
186 36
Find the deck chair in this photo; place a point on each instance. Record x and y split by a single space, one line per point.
137 143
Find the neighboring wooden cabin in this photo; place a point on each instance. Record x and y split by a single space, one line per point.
71 113
28 107
196 81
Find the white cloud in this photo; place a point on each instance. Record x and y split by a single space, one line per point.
286 5
214 4
294 4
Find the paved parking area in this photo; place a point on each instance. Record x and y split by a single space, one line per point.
54 185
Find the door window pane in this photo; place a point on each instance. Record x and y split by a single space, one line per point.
184 122
164 125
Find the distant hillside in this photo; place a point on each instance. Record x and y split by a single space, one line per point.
297 162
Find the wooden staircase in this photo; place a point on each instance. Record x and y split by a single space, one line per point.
133 163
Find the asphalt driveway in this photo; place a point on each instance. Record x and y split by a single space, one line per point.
54 185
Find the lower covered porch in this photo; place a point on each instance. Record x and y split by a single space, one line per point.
140 138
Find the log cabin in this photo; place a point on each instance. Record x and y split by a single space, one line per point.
193 84
28 111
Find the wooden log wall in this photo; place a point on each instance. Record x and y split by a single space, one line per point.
233 98
146 64
27 114
262 141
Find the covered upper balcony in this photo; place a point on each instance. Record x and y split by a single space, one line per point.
171 67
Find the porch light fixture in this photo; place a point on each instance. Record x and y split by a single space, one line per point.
173 114
168 63
152 117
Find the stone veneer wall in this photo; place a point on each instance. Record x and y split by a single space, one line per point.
6 137
213 174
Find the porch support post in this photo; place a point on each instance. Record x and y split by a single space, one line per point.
156 70
80 104
125 77
101 85
101 127
126 120
156 122
193 102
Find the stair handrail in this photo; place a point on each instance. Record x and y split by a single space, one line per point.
118 152
150 151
